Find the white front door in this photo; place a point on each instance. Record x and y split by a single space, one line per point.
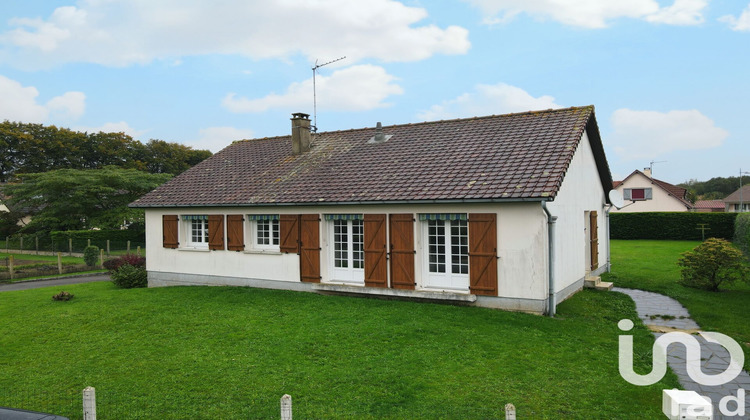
447 254
348 256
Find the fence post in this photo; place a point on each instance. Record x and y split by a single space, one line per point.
510 412
59 262
10 267
7 244
138 251
89 403
108 247
88 242
36 244
286 407
21 243
70 247
101 258
128 247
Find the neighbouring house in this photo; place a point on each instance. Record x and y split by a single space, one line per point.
738 201
505 211
23 221
709 206
646 193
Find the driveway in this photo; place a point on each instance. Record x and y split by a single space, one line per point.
35 284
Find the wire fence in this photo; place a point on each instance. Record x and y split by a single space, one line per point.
45 244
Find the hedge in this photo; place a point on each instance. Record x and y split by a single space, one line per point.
98 237
742 233
671 225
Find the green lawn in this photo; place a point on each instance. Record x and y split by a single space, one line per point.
652 265
223 352
43 258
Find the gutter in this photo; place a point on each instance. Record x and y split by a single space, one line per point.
609 265
551 304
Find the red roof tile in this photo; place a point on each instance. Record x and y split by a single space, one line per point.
507 157
709 204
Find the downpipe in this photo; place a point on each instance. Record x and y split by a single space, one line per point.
552 301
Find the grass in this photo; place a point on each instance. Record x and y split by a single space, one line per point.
42 258
652 266
223 352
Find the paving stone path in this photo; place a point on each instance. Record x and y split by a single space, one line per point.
663 313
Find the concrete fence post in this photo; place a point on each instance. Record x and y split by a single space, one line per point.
128 247
108 247
88 242
21 246
138 251
10 267
510 412
89 403
59 263
70 247
36 244
286 407
7 244
101 258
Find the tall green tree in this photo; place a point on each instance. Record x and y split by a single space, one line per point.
72 199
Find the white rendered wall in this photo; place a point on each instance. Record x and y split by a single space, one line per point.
521 234
661 200
581 192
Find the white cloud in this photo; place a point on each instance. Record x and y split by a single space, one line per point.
354 88
593 13
487 100
741 23
650 134
119 33
19 103
113 127
217 138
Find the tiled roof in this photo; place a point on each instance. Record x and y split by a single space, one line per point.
709 204
735 196
506 157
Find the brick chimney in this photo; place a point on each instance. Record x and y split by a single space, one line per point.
300 133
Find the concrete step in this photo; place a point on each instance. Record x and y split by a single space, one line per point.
604 285
591 282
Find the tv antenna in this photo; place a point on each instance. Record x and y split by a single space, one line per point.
651 165
315 96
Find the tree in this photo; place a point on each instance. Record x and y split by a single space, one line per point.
72 199
712 263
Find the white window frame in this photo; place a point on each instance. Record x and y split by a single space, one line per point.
447 280
191 226
354 252
274 234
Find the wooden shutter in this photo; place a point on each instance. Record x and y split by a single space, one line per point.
627 194
483 254
402 251
309 248
216 231
235 232
376 268
594 233
289 233
169 223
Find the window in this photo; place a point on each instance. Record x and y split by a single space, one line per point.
637 194
347 245
446 239
197 230
265 231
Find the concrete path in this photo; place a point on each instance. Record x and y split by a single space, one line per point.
62 281
663 314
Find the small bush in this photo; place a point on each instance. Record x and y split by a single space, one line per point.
712 263
129 276
91 255
742 233
63 296
113 264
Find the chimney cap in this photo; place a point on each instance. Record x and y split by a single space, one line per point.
379 136
298 115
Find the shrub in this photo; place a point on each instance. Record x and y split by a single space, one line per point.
91 255
113 264
742 233
712 263
129 276
63 296
671 225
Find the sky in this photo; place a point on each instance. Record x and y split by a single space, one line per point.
670 79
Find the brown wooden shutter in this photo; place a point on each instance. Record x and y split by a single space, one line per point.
309 248
235 232
483 254
169 223
376 268
594 233
402 251
289 233
216 231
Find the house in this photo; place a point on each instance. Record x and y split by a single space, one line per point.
709 206
505 211
646 193
738 201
